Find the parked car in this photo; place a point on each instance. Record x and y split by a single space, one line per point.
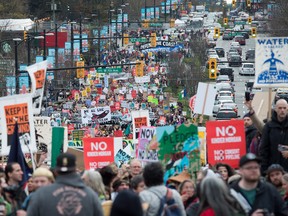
240 39
235 61
247 69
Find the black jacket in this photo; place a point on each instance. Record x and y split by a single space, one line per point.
267 197
250 133
274 133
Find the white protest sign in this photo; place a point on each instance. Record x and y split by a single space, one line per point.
271 62
205 98
96 115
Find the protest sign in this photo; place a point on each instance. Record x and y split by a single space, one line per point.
59 143
178 149
146 150
225 142
99 151
20 108
202 140
43 132
37 73
140 118
96 115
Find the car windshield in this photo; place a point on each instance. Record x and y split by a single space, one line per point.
226 115
248 65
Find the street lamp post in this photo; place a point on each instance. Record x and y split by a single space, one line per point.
17 74
44 46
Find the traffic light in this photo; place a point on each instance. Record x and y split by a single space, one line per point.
253 32
139 68
233 3
225 21
172 23
216 32
25 35
248 3
249 20
145 24
212 68
153 40
174 6
81 57
80 71
126 39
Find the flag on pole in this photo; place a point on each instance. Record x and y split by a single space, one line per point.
16 155
182 94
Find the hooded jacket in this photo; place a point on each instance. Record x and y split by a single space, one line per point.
152 197
67 196
267 197
274 133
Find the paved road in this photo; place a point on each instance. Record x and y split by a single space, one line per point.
239 81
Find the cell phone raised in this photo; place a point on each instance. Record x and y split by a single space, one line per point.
247 96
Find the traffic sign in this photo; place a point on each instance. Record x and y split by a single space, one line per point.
109 70
155 24
140 40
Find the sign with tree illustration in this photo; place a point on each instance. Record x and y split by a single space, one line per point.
178 149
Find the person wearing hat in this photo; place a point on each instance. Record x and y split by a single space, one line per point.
255 196
67 196
250 130
275 173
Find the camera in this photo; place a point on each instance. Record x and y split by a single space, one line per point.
13 190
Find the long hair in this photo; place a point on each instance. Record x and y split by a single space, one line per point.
94 181
215 194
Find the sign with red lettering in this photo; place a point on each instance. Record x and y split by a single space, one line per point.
225 142
140 118
20 108
98 152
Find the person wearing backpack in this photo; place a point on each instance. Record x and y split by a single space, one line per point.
161 201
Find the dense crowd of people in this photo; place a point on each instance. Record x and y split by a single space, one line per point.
136 189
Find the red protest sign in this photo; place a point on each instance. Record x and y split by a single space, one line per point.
140 122
98 152
225 142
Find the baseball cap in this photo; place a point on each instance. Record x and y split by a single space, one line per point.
66 162
248 158
274 167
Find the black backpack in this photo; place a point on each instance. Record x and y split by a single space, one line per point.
168 206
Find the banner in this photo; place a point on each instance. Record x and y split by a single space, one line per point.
178 149
147 150
96 115
143 79
225 142
20 108
43 132
100 151
37 74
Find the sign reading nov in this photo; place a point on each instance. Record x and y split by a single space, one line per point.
98 152
225 142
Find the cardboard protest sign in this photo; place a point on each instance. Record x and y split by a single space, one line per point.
147 150
43 132
202 140
59 143
37 73
79 157
140 118
100 151
20 108
178 149
96 115
225 142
